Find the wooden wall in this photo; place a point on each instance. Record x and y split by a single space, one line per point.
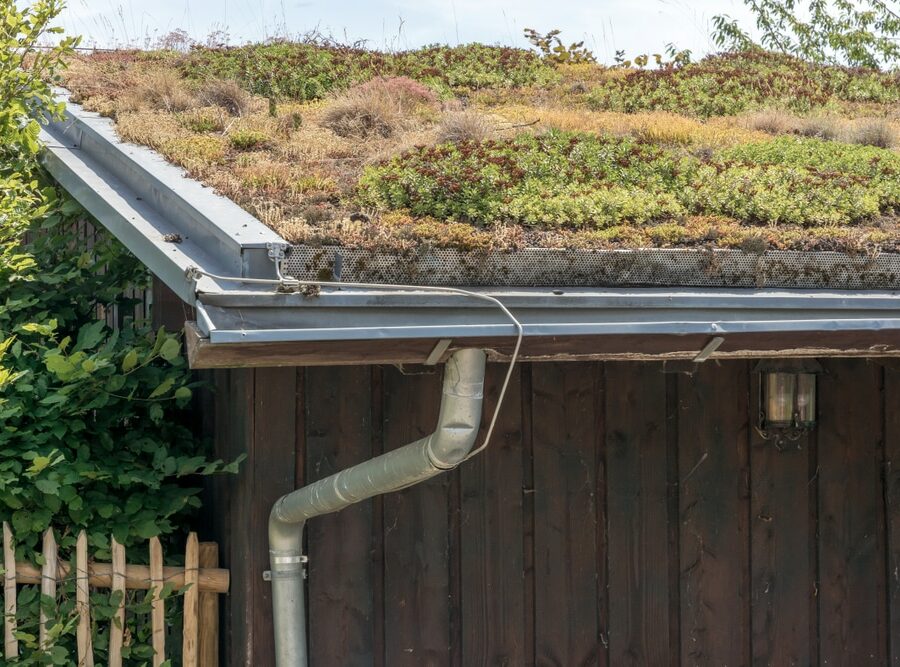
622 516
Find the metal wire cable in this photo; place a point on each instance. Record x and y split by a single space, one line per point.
290 281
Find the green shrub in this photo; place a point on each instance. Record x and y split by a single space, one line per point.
775 194
736 82
93 430
245 140
308 71
553 49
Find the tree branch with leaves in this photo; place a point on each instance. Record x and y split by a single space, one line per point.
859 33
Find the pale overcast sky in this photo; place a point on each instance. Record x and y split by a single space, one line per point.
636 26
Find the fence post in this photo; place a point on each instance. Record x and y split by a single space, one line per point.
191 601
158 605
209 610
117 624
10 643
83 603
48 583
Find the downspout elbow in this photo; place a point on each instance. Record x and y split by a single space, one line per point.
460 414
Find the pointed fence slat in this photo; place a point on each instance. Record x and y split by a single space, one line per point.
48 583
10 643
191 601
83 603
117 624
209 610
158 605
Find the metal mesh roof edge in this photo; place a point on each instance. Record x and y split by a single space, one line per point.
653 267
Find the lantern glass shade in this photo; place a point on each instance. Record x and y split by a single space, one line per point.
806 399
779 399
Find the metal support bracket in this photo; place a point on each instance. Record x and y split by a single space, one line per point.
438 351
708 349
277 251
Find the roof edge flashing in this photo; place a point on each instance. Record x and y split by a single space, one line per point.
192 206
168 220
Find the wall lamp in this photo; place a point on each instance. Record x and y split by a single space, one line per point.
787 399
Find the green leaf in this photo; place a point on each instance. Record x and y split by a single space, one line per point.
130 361
163 387
156 413
47 486
90 335
59 365
147 529
183 395
170 349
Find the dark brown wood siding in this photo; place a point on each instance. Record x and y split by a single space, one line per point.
622 516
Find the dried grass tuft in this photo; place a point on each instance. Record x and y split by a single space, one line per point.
378 108
465 125
157 90
873 132
772 122
821 127
226 94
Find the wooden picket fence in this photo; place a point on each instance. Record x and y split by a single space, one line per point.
201 575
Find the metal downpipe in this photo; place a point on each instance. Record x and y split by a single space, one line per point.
444 449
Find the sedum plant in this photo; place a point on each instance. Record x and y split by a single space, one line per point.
578 180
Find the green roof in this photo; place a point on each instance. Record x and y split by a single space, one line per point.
481 147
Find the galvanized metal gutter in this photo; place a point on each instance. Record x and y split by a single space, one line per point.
352 314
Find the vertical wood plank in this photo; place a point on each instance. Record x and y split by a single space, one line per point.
490 549
233 433
117 623
84 639
892 497
565 507
714 542
783 574
272 471
48 582
339 435
10 643
852 570
673 496
190 627
637 514
528 579
256 415
377 407
416 562
157 605
209 611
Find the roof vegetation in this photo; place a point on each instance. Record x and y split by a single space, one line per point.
489 147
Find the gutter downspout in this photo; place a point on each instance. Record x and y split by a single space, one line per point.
445 449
